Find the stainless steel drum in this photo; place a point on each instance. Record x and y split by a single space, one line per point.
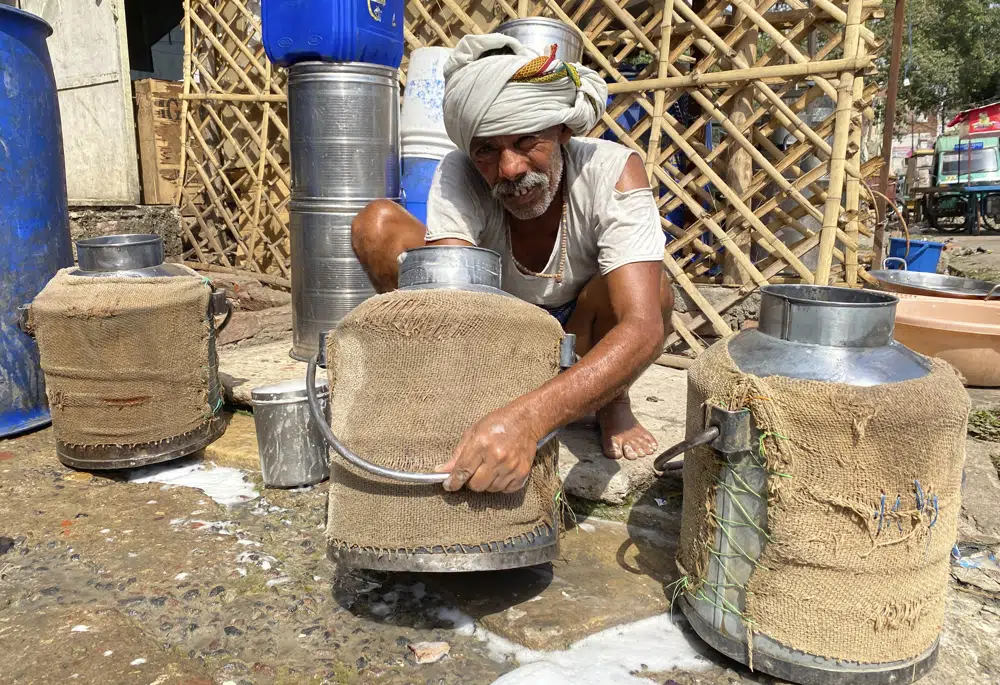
140 256
291 446
833 335
343 123
935 285
540 34
456 268
327 279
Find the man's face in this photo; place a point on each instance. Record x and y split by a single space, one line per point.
523 171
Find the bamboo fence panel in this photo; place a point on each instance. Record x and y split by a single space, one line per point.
749 116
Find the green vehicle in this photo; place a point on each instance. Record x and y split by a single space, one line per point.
961 162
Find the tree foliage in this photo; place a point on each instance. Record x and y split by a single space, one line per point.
951 54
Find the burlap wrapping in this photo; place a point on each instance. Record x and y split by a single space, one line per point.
847 574
410 371
125 359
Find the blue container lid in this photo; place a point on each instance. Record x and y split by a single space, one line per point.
15 13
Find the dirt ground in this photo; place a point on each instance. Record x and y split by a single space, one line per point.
108 581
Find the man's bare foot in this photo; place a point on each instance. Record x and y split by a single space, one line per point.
621 433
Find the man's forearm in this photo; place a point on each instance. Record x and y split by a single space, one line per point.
608 369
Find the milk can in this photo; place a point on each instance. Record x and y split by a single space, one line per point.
128 349
821 491
409 372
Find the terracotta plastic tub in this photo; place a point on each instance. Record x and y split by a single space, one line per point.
964 333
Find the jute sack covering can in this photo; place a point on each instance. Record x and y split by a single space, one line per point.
410 371
126 360
863 497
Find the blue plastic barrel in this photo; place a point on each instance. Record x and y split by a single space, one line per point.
416 181
34 221
333 31
923 255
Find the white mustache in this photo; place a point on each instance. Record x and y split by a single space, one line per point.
522 186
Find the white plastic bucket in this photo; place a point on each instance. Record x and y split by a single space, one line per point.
422 132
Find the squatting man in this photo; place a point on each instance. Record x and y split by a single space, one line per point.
577 228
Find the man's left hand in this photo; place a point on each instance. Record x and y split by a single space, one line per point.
494 455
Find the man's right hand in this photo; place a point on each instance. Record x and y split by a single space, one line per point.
494 455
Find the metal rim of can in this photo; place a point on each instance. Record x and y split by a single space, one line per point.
345 72
286 392
120 240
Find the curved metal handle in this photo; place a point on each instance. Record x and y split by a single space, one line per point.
992 290
341 449
885 262
219 300
706 436
23 314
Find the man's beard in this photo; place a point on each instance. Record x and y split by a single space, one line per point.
506 191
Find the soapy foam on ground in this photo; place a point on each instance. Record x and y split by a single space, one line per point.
223 484
654 644
610 657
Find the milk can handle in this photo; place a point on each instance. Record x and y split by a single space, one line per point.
343 451
23 315
218 301
992 291
660 465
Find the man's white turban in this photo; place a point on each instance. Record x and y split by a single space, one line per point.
510 94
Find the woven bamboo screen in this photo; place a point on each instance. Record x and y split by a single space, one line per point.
747 113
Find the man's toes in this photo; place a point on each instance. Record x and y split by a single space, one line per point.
630 452
612 448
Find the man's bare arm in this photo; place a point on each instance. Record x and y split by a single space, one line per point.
496 453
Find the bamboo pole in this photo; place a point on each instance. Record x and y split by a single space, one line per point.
184 102
681 279
429 20
841 133
263 278
470 24
626 19
780 41
842 17
782 71
235 97
221 49
739 171
262 166
674 361
683 332
236 39
853 201
659 98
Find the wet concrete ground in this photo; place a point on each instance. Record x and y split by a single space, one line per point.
108 581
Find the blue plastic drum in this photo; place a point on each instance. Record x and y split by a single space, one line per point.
333 31
418 173
34 221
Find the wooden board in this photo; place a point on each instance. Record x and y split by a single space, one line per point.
158 125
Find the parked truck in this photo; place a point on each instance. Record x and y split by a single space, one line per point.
961 163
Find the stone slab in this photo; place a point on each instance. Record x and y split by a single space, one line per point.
984 398
243 368
980 519
607 574
659 399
